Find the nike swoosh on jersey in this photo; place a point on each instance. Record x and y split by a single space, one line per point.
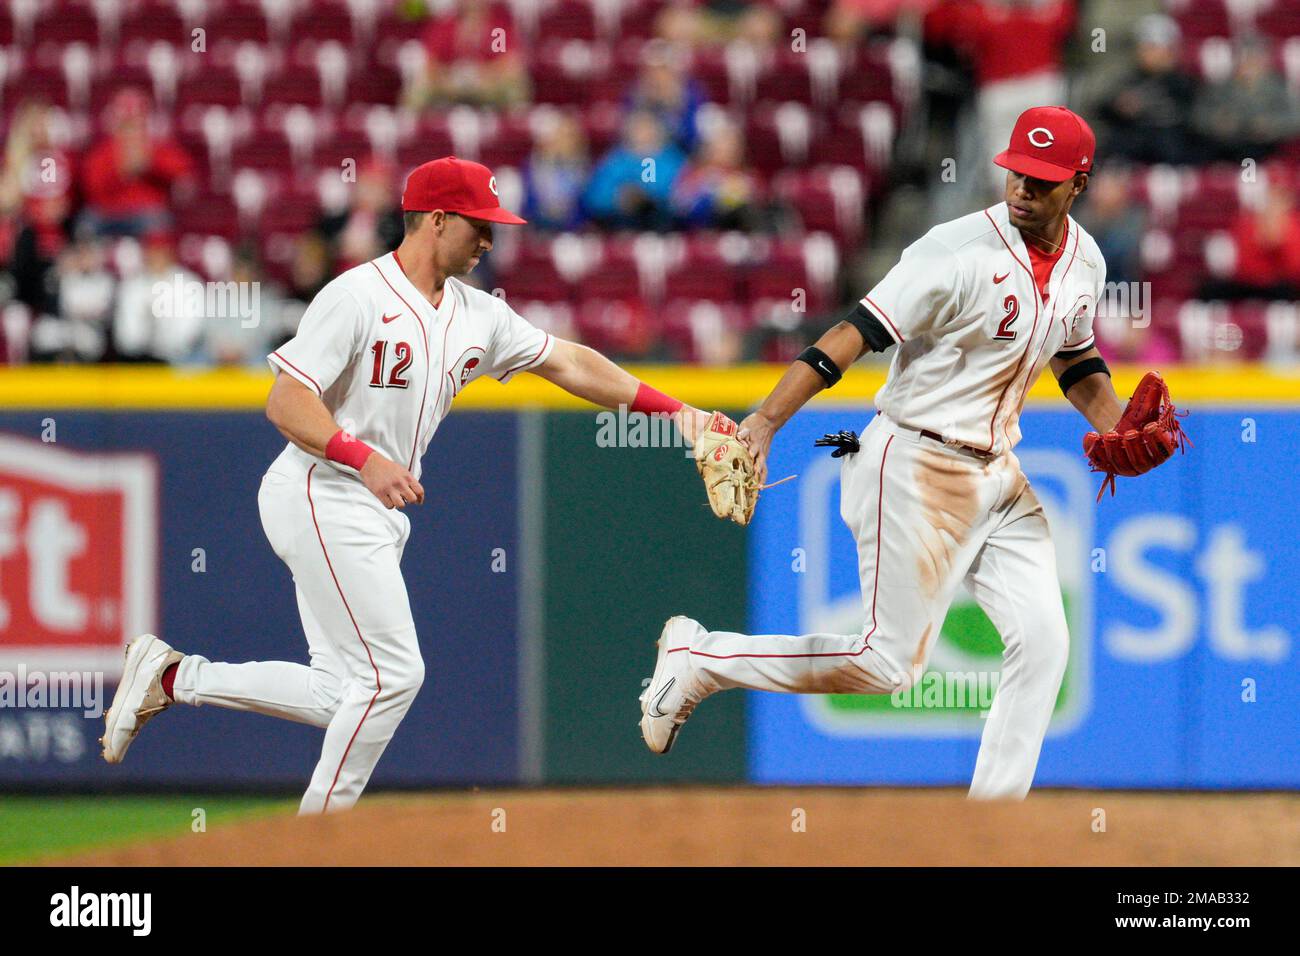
997 279
389 318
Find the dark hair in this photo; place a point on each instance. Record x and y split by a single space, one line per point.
411 221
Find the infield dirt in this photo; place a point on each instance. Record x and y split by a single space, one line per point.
751 826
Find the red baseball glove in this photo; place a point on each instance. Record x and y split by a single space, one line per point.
1146 435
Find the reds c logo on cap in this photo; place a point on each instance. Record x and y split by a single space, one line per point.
1041 137
1050 143
456 185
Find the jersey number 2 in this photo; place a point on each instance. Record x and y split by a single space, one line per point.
1005 331
396 379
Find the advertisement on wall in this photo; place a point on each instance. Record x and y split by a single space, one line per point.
1178 593
128 523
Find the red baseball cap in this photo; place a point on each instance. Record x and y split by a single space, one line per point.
1049 142
456 185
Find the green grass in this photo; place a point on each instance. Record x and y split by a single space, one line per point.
36 827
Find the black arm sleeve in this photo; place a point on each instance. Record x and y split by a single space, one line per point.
1076 373
872 330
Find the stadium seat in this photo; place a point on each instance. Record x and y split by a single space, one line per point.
567 20
621 327
65 23
153 21
703 330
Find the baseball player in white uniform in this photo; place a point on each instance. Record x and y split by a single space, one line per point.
380 355
977 308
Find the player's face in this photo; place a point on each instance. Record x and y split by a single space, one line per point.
1033 203
464 242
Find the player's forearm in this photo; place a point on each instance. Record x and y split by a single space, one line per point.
1096 400
1088 387
584 372
842 345
300 416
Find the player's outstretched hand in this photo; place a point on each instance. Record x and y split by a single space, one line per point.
390 482
756 432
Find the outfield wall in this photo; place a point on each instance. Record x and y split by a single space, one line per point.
543 564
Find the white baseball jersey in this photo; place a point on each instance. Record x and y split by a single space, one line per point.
972 330
387 364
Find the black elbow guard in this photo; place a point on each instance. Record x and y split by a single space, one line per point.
822 364
870 328
1081 370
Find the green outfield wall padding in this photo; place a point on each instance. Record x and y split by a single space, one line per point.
629 541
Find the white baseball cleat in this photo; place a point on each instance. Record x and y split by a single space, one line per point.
139 695
672 693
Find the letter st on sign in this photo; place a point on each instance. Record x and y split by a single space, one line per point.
78 555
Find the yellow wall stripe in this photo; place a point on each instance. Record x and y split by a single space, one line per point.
42 388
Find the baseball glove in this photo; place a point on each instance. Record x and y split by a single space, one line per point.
1146 435
727 468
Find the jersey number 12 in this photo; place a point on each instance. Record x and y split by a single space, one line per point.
396 377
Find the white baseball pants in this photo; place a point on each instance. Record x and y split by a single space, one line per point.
926 516
344 549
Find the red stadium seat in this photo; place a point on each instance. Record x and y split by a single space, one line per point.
535 279
567 20
1280 21
151 22
620 327
213 86
703 330
324 20
237 24
65 23
293 86
567 72
209 215
1198 19
828 199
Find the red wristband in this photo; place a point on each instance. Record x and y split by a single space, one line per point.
651 401
347 450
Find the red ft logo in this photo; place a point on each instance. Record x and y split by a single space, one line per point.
78 555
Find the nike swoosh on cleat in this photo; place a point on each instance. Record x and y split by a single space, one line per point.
654 705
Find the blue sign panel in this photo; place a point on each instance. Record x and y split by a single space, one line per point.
1180 592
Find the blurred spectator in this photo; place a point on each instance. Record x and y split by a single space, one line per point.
665 89
311 269
1135 341
1146 112
1117 220
160 310
717 190
1250 113
242 322
474 57
78 328
372 224
1016 49
849 22
36 197
554 175
681 23
1267 243
725 20
631 186
129 177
